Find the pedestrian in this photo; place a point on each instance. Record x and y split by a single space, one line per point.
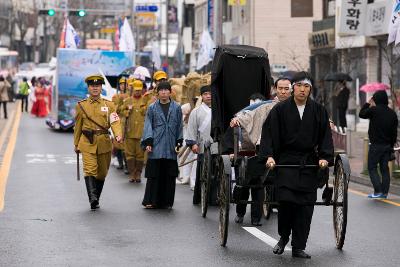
94 117
39 107
4 87
342 100
296 132
382 133
162 138
24 93
251 123
199 134
118 100
134 111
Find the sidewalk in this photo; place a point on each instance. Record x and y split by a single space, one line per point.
356 163
5 126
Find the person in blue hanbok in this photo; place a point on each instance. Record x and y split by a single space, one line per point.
162 138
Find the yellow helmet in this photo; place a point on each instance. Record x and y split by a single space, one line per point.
137 85
158 75
123 80
130 81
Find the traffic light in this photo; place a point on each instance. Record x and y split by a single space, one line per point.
50 12
81 13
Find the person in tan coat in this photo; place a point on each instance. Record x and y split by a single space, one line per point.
94 117
4 86
134 112
118 100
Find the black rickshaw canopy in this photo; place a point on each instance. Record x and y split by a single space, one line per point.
238 71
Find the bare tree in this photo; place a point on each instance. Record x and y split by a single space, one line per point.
391 54
298 61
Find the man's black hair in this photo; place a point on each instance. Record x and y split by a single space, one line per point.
282 78
257 96
301 75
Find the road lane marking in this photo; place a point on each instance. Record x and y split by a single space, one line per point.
263 237
366 195
6 129
6 164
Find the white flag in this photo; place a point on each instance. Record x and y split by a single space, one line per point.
71 36
126 40
206 50
394 24
155 55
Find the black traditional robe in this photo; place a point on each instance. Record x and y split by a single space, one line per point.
292 140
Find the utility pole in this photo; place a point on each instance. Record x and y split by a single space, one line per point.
167 35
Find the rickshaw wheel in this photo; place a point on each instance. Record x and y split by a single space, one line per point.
267 207
340 204
205 181
224 194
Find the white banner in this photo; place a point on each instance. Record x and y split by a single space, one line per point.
394 22
206 50
126 40
72 39
352 17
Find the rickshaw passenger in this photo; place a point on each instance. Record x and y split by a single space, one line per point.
296 132
251 121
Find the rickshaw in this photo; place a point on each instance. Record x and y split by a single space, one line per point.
232 65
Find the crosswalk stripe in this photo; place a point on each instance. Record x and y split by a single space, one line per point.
263 237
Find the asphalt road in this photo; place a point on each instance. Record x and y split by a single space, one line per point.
47 222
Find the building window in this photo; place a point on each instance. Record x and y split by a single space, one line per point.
302 8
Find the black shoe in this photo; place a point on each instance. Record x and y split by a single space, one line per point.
256 222
239 219
299 253
280 246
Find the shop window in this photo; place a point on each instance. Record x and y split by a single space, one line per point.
302 8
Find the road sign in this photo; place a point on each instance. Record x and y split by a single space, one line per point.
146 8
147 19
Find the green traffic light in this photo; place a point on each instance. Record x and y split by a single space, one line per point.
81 13
51 12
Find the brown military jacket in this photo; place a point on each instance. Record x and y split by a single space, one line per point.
104 113
135 117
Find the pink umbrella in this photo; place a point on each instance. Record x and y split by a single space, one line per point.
372 87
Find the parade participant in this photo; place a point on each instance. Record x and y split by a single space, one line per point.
151 95
199 128
94 116
382 133
251 121
118 100
296 132
39 107
134 111
162 138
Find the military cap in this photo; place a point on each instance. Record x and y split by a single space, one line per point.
158 75
94 79
137 85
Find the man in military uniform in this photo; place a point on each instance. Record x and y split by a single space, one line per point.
151 95
118 100
94 116
134 111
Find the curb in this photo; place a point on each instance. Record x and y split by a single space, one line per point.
364 180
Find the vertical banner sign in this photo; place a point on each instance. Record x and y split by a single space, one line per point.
352 17
394 22
210 16
378 18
